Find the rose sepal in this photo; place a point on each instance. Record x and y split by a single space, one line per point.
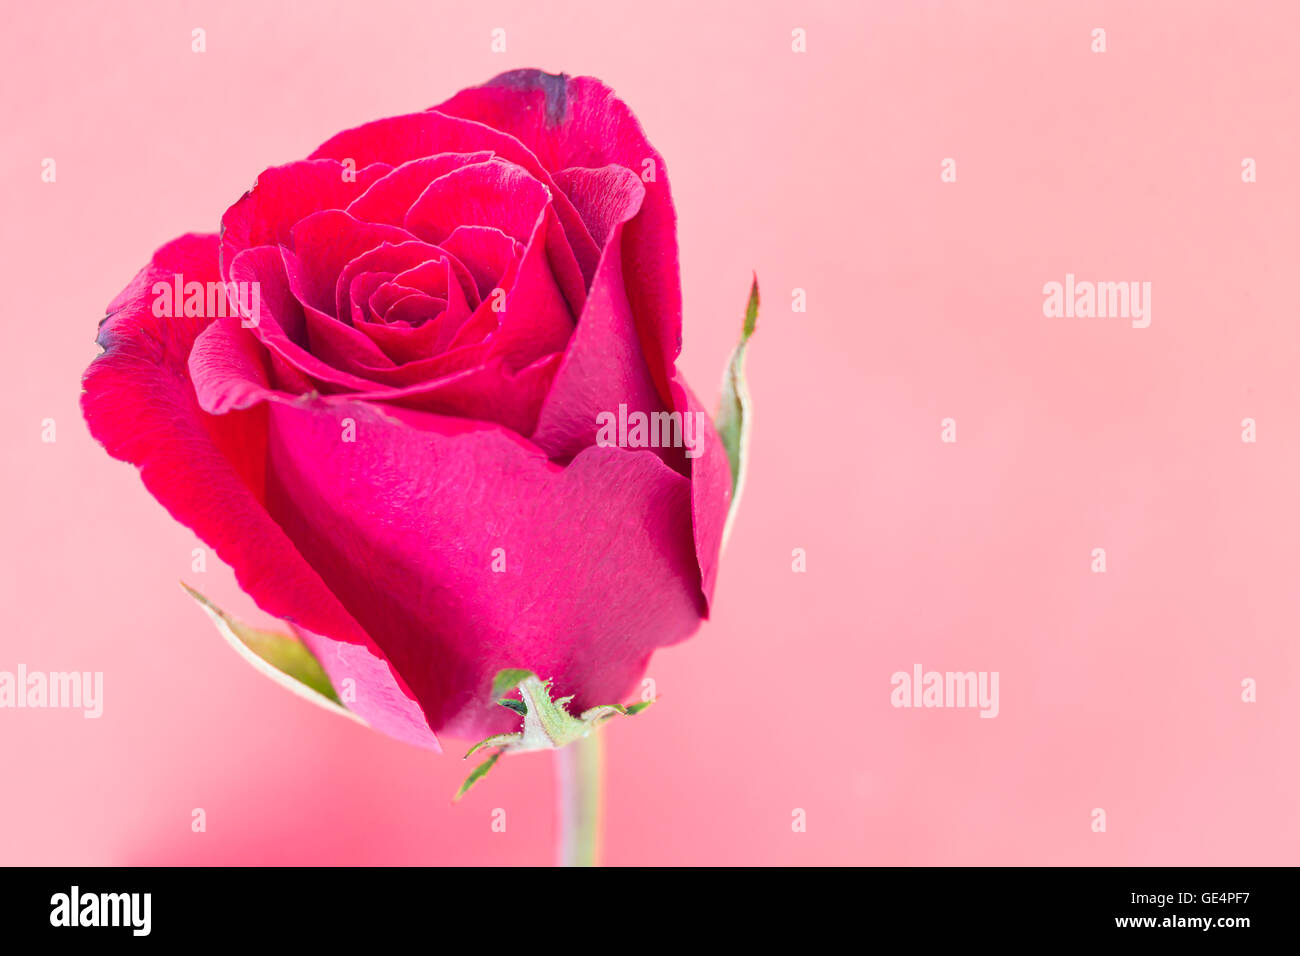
286 660
547 723
733 421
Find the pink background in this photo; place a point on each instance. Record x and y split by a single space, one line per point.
820 171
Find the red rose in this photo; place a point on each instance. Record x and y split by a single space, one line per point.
386 395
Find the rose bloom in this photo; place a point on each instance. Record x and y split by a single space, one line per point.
375 394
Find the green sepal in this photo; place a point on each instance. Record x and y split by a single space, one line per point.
733 419
548 725
478 774
507 680
284 659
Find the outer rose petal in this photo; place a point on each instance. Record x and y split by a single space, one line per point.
578 121
209 472
599 565
602 367
403 524
710 489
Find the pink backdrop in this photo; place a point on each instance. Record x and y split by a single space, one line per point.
821 171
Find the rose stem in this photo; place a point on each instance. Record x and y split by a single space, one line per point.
578 781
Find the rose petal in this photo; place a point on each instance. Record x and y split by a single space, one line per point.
471 384
603 367
399 258
417 335
283 195
362 291
587 617
603 197
488 392
388 198
488 254
322 245
282 327
412 312
710 488
496 193
209 471
503 196
534 317
387 705
399 139
578 121
431 279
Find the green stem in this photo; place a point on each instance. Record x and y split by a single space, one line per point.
578 779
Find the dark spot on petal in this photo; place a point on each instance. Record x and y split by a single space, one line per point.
555 87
